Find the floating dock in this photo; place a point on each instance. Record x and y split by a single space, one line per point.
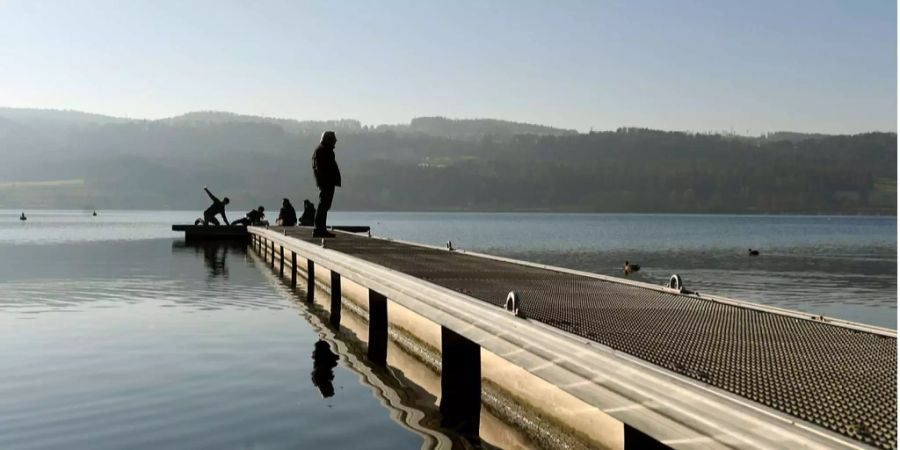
622 363
238 232
213 232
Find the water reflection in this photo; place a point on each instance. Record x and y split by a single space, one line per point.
90 330
215 260
410 404
324 362
408 385
215 253
82 277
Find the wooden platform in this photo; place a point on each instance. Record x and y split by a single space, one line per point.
216 232
238 232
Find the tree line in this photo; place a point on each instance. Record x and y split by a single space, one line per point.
440 164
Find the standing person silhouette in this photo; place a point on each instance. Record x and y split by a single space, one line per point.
328 176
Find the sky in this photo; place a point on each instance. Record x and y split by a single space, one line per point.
747 66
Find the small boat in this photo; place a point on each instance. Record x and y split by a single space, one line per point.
630 268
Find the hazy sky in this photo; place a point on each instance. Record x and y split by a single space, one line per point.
815 65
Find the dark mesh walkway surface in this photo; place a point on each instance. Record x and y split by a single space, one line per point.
837 378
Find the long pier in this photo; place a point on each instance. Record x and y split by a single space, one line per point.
622 364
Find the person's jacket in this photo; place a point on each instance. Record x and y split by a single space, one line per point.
255 216
288 216
325 167
218 207
309 215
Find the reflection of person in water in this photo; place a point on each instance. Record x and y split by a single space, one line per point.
324 362
216 261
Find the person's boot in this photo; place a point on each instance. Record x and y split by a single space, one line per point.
322 234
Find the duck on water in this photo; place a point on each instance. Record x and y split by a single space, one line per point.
630 268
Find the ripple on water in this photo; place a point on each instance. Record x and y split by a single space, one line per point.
80 295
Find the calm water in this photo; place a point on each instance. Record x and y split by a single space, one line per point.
146 344
114 334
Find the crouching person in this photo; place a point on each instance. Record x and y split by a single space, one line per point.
217 207
255 217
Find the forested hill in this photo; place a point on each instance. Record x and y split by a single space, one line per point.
66 159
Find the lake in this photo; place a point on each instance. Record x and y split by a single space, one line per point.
115 334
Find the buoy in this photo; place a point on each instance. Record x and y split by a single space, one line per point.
514 304
676 283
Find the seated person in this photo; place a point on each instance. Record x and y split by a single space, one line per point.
308 218
255 217
287 217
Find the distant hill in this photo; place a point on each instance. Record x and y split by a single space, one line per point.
792 136
290 125
476 128
57 117
466 129
429 126
67 159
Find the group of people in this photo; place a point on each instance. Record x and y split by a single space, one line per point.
287 216
328 177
